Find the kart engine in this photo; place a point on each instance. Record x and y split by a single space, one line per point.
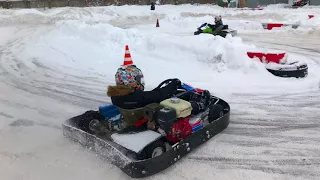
183 108
165 118
170 116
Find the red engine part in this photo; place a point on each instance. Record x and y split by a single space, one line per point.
180 130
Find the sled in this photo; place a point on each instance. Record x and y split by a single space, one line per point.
223 32
277 64
295 69
153 153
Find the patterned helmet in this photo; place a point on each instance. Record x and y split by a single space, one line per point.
217 18
130 76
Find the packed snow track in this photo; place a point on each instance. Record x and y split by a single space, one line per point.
56 64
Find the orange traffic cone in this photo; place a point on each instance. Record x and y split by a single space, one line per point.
157 25
127 57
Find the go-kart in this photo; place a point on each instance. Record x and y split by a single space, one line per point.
220 31
166 132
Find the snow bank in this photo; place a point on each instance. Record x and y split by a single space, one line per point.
86 42
96 50
85 50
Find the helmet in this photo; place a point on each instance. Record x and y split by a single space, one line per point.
217 19
130 76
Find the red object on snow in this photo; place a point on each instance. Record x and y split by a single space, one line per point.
180 130
311 16
270 26
268 57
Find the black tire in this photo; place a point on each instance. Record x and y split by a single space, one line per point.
86 118
154 149
215 112
197 32
222 34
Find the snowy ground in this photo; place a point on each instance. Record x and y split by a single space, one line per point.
57 63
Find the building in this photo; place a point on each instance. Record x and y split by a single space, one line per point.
314 2
255 3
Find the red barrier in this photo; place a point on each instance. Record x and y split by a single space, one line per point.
270 26
269 57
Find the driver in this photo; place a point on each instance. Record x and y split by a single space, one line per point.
218 22
129 91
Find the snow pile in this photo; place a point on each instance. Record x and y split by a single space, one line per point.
88 50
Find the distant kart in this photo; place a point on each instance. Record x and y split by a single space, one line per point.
223 31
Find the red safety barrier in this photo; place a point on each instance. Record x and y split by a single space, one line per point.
269 57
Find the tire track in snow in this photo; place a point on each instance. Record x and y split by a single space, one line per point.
264 135
50 82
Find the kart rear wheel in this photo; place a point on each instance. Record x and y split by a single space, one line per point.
222 34
154 149
94 125
85 119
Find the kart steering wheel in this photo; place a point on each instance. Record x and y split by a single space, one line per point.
179 94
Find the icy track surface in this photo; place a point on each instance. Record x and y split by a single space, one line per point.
57 63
